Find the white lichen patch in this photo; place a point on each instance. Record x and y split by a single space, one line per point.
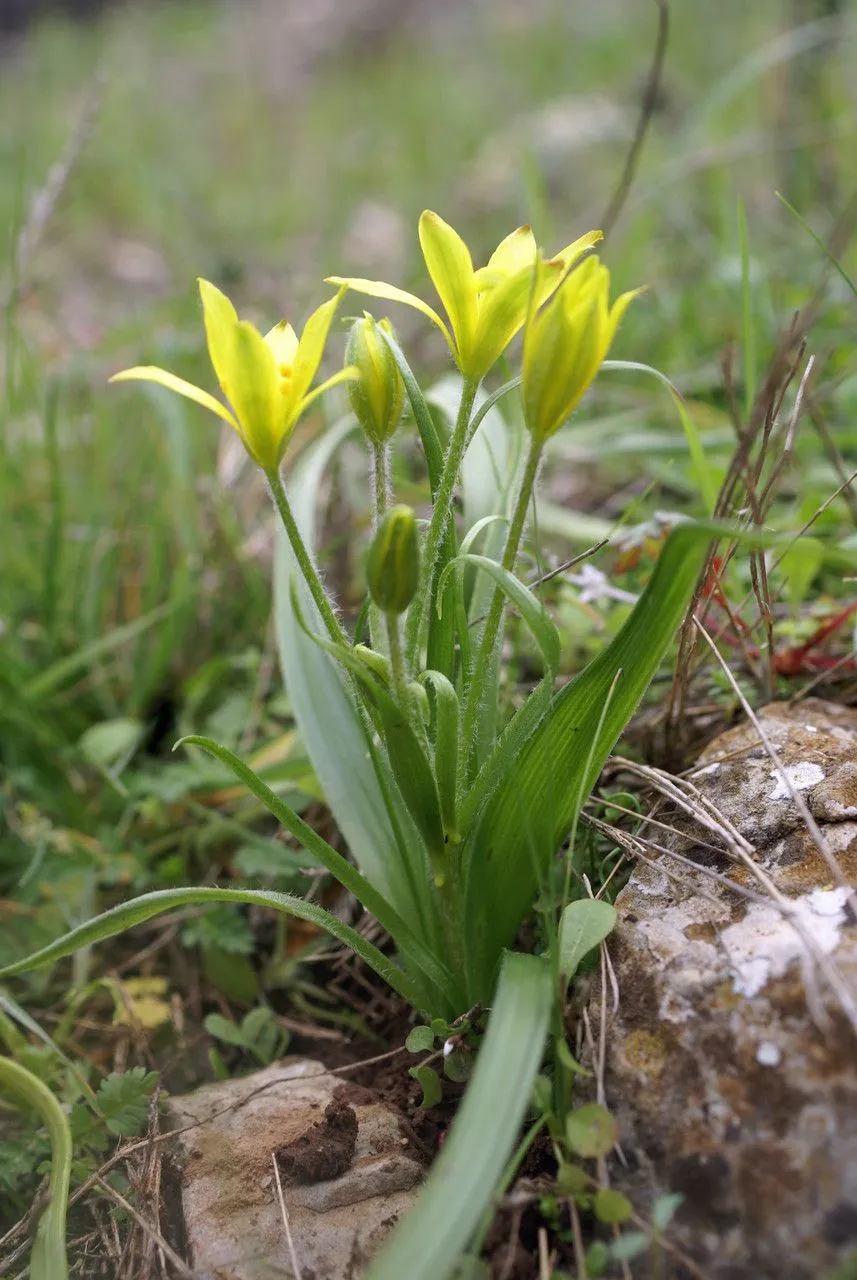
709 768
763 945
768 1054
802 776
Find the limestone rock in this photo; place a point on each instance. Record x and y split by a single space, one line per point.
346 1169
732 1061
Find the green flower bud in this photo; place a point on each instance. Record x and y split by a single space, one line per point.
393 567
378 396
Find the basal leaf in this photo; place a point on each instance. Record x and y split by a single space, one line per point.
125 916
48 1258
462 1181
530 814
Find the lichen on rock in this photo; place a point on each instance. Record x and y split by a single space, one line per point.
731 1062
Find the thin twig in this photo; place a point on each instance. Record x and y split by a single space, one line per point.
647 110
180 1265
45 199
284 1215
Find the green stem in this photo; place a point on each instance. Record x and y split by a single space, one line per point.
441 513
380 497
311 578
397 661
380 481
482 665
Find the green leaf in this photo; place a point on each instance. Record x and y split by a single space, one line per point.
629 1246
232 975
583 925
111 742
408 761
703 472
591 1131
420 1040
48 1258
432 1085
471 1163
118 919
445 750
419 955
611 1206
124 1100
528 605
458 1065
799 564
664 1210
371 817
441 637
532 810
224 1029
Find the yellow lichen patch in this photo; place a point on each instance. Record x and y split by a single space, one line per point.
646 1052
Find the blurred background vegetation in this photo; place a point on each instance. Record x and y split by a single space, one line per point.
265 144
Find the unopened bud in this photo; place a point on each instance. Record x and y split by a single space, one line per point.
378 395
393 567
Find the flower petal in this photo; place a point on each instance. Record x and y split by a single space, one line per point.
349 374
256 395
451 269
311 347
220 321
567 258
283 341
377 289
151 373
502 311
516 251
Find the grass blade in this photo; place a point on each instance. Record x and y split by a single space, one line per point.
463 1179
48 1259
344 871
702 472
523 825
125 916
370 816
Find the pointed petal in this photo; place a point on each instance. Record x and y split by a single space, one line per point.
257 396
451 270
617 311
570 254
349 374
151 373
220 321
516 251
377 289
502 311
283 341
311 347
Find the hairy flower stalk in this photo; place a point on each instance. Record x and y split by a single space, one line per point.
440 516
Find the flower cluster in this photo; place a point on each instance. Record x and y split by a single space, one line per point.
562 303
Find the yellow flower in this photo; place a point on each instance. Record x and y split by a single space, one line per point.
265 379
565 345
485 308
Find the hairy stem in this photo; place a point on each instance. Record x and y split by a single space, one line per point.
441 513
482 664
307 568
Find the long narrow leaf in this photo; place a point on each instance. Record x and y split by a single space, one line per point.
702 471
528 605
412 947
48 1259
445 749
408 761
462 1182
527 819
123 917
381 837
